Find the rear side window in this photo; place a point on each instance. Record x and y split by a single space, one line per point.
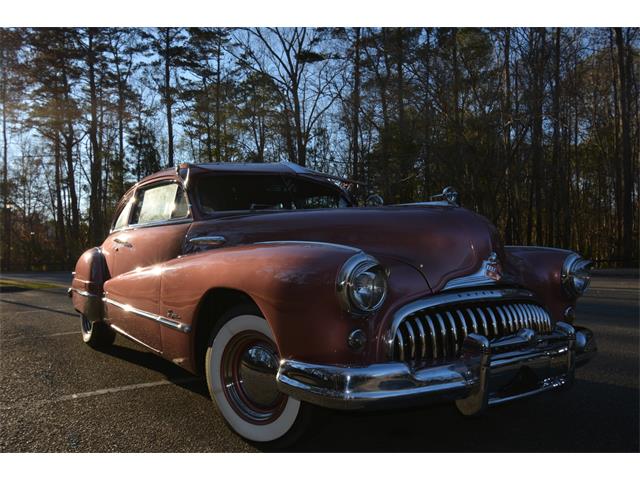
219 193
161 203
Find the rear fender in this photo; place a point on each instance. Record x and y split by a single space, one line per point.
87 284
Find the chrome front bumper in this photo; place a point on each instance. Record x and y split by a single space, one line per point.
487 373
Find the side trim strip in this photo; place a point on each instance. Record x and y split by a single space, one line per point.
131 337
181 327
308 242
84 293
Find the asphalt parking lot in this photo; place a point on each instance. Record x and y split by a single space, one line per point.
58 395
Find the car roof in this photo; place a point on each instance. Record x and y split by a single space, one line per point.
282 168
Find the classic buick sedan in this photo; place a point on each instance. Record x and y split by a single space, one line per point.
270 281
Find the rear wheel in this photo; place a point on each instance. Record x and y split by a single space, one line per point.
241 364
97 335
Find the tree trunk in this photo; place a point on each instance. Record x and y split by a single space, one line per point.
297 118
426 146
627 212
355 110
118 171
557 197
536 131
6 220
506 138
218 110
61 242
95 199
168 97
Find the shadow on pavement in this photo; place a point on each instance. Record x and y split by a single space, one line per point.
38 307
591 417
151 361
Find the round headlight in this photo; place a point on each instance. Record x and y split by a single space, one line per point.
576 275
362 284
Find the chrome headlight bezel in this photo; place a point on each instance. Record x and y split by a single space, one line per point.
576 275
359 264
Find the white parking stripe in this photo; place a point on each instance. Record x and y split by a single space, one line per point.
103 391
75 332
19 312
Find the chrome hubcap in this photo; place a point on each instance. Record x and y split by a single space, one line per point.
248 370
257 375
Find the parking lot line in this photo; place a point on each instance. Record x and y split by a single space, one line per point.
75 332
102 391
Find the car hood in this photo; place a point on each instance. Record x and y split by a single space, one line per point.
442 242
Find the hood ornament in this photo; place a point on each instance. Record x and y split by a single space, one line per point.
490 272
449 195
492 267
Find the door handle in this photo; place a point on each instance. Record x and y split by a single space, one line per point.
122 242
214 241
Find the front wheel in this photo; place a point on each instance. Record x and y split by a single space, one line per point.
97 335
241 364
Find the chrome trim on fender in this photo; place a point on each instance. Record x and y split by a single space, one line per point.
358 263
92 307
181 327
131 337
84 293
308 242
573 262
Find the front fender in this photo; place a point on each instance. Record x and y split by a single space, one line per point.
293 284
539 269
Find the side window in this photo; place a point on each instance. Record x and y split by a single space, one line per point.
161 203
123 217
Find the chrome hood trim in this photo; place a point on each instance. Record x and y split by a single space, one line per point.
490 273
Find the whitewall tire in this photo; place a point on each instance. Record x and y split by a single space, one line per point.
97 335
241 364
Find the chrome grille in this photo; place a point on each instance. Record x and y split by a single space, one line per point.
437 333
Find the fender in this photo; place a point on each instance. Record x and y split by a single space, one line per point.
292 283
539 269
87 284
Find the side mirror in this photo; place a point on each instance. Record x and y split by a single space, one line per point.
374 200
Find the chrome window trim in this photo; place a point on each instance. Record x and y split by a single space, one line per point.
181 327
455 298
174 221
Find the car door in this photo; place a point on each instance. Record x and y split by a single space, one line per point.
158 221
157 226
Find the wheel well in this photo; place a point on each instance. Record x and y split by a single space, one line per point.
212 306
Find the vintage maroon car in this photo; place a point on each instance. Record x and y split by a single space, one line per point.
268 279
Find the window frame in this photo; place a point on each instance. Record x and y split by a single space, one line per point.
126 199
172 221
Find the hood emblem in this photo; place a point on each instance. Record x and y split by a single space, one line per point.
489 274
492 267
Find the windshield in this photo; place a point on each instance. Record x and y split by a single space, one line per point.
220 193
